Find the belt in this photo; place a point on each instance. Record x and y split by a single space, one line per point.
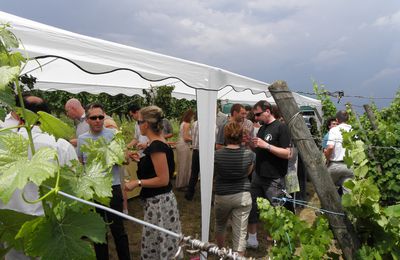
337 161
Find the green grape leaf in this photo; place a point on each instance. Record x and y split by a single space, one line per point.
361 171
7 96
23 170
393 211
7 39
8 74
52 238
13 147
31 117
108 154
10 224
89 182
11 59
55 126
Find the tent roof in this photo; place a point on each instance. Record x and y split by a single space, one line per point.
136 68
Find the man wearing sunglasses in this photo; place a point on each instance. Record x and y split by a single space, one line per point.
272 148
95 118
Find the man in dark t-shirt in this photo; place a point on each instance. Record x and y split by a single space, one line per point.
272 148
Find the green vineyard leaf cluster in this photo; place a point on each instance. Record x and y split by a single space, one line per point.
295 238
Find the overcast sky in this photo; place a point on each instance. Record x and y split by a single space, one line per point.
352 46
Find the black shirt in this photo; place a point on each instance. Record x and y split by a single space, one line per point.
269 165
146 168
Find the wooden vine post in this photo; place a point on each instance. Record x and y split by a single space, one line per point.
371 116
316 168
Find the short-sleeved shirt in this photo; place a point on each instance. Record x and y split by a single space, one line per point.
231 170
336 139
146 168
108 134
269 165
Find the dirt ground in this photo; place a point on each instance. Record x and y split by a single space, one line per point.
190 213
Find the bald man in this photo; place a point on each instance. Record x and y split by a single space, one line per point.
75 111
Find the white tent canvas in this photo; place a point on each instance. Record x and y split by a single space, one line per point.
146 68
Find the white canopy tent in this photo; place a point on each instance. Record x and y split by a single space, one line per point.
56 49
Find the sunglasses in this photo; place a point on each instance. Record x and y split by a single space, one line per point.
140 122
96 117
258 114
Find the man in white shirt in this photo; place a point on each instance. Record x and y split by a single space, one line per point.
335 152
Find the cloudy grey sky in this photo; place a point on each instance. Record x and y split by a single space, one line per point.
352 46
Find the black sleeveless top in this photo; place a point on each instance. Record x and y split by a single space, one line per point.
146 168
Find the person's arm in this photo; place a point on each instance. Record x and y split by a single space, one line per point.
132 143
74 142
280 152
161 168
166 136
250 169
328 152
330 144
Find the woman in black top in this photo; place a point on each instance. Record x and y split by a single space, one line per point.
154 172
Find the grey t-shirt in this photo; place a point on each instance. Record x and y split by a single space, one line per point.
231 168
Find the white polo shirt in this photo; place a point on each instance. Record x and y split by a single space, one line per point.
336 139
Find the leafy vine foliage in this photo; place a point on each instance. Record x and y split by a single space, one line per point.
373 204
295 238
67 228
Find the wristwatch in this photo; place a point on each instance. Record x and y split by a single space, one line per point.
139 183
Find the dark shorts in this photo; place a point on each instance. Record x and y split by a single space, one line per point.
264 188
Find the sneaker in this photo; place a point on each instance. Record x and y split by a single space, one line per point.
252 243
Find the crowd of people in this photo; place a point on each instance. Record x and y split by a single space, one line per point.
252 150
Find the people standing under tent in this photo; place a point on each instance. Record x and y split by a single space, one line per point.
330 123
272 148
195 168
75 111
139 141
335 152
95 118
233 163
184 155
65 153
238 114
155 170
